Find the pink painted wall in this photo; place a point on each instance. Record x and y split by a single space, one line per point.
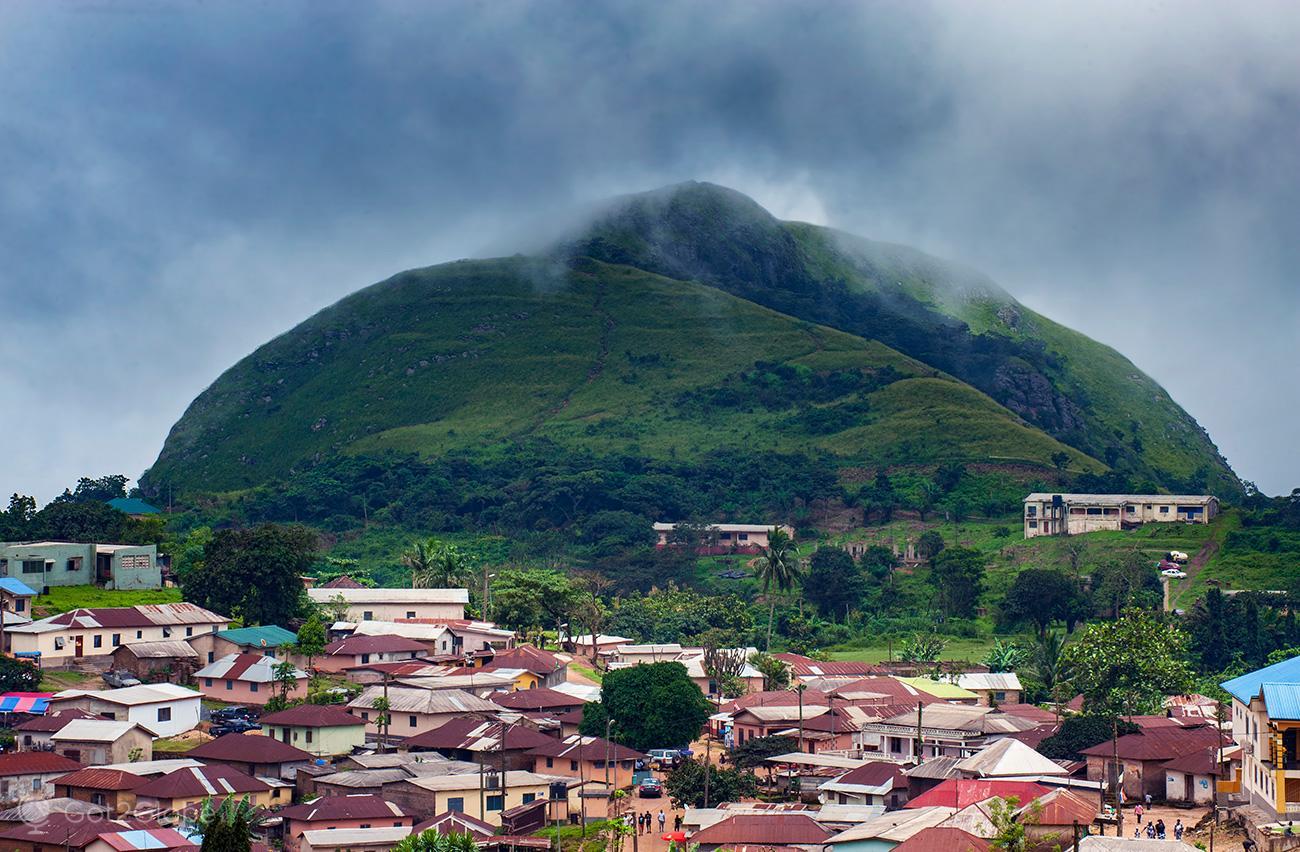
242 692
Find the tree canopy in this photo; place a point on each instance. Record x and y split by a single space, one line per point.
834 583
1041 596
685 784
957 575
654 705
254 573
1128 666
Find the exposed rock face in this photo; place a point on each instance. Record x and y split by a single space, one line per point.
1028 393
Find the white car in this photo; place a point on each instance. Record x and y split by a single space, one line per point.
1178 556
1173 574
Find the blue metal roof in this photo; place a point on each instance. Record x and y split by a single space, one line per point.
1282 700
1247 686
14 586
133 506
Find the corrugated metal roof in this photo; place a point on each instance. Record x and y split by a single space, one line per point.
1282 700
939 688
264 636
397 596
403 699
14 586
1247 686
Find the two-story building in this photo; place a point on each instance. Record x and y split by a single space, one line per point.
164 708
1073 514
588 759
42 564
724 538
1266 725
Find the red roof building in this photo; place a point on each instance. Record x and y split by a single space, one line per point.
253 754
18 763
765 830
468 738
942 839
67 831
535 700
455 822
341 812
587 757
961 792
312 716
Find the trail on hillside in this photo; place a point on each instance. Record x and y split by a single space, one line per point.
1194 567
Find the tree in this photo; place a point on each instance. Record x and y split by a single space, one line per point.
1045 660
335 609
929 545
432 841
1005 656
1079 732
254 574
686 784
534 598
99 490
18 675
1129 665
776 674
1008 832
1060 460
777 565
724 663
1125 582
384 720
957 575
436 564
834 583
922 648
229 826
1041 596
653 705
311 638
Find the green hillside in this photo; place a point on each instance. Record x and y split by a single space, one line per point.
480 354
954 319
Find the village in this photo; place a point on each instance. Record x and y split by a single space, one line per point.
411 716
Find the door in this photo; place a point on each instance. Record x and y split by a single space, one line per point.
79 646
1189 787
284 735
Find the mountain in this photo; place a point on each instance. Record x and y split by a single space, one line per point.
680 323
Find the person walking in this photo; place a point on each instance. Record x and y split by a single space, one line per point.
663 820
1137 812
640 823
1178 829
1151 831
1160 829
649 823
677 822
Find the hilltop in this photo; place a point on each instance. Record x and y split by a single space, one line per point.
678 327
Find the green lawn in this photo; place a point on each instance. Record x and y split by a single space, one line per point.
59 681
64 598
956 649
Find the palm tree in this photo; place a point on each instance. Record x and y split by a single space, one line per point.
432 841
435 565
777 565
229 826
1045 658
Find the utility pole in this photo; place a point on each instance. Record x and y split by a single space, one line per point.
800 690
708 765
1119 778
830 699
388 718
485 591
582 784
920 738
505 732
609 791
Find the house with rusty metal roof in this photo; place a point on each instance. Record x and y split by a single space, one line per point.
249 679
253 754
324 730
469 738
760 830
29 775
111 788
97 632
414 710
176 791
341 813
587 758
353 651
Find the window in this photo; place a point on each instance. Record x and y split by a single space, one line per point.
20 604
529 797
98 641
743 536
496 803
1164 510
167 633
550 761
117 639
365 658
1031 511
724 537
207 681
58 643
275 793
367 616
573 765
306 735
413 721
212 655
33 566
365 717
74 564
189 631
365 825
1094 510
410 613
164 714
230 684
36 785
999 696
253 687
456 804
139 634
1033 525
1131 509
97 799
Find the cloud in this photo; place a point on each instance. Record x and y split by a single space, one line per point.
184 181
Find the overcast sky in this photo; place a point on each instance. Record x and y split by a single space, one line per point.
179 182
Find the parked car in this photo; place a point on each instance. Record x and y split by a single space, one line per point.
1173 573
118 680
650 789
226 714
234 726
664 758
1178 556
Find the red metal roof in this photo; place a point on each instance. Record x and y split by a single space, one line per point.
357 806
586 748
803 666
249 748
536 699
942 839
875 774
1158 743
528 658
764 830
342 582
313 716
214 780
154 839
960 792
353 645
52 723
60 830
35 763
1061 807
96 778
464 732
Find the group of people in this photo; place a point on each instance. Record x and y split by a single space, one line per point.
1155 830
644 822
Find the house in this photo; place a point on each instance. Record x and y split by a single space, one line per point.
941 690
357 605
339 813
41 564
1266 725
1050 819
164 708
943 839
159 839
87 633
457 638
111 788
538 667
993 688
174 792
1142 756
1008 758
454 822
586 758
631 655
170 661
28 775
877 783
247 679
355 651
266 640
717 539
1072 514
541 700
153 768
321 729
782 830
806 668
1192 778
947 730
352 839
765 720
414 711
750 677
958 793
467 793
261 757
593 646
99 741
77 832
480 740
16 599
34 734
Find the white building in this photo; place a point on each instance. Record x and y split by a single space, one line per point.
1072 514
394 604
164 708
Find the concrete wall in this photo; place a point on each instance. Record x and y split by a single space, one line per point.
19 788
323 742
1176 784
184 712
620 772
342 662
424 804
1079 520
395 611
98 753
98 641
295 828
69 564
236 691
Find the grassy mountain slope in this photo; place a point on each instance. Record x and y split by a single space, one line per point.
1081 392
480 354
